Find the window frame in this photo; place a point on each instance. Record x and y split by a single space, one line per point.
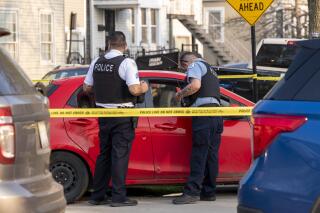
51 61
178 82
144 25
73 100
16 42
154 25
221 10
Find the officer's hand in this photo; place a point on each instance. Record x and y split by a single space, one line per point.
178 96
144 86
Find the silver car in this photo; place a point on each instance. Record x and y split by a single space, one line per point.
26 185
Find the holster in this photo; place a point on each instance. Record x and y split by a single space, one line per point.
135 122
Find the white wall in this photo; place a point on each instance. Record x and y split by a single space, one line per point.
97 37
29 33
151 3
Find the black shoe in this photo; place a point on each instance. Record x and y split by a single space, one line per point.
128 202
208 198
185 199
106 200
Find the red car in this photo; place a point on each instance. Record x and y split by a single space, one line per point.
162 146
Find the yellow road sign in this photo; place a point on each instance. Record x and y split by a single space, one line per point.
250 10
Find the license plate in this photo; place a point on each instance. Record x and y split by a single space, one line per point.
44 141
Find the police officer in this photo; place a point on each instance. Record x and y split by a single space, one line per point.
202 90
115 82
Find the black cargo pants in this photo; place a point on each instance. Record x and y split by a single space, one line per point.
204 165
116 136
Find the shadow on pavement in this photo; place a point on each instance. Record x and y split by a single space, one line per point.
166 191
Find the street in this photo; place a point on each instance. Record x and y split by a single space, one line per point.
152 201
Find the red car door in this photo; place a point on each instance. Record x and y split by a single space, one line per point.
235 150
84 132
172 140
171 136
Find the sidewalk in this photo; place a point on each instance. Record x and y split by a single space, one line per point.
226 203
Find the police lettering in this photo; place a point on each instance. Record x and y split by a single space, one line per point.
104 67
251 6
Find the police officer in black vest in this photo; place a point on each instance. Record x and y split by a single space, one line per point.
202 90
115 82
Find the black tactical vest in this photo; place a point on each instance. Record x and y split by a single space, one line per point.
109 87
209 86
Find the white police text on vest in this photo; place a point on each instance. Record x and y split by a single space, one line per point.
104 67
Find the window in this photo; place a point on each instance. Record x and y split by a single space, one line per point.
50 76
215 24
144 26
153 26
80 99
163 94
229 102
276 55
183 40
133 27
46 37
8 20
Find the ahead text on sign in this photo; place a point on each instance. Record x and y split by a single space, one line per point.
251 6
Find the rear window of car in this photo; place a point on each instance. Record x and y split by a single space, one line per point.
301 82
13 80
50 76
276 55
66 73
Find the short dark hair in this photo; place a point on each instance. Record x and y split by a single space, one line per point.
117 39
184 54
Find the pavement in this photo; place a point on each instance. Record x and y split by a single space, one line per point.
150 202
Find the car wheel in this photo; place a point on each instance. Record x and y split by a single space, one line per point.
70 171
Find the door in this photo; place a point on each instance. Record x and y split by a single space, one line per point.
84 132
110 24
235 150
171 136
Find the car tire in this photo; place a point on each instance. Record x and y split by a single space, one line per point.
71 172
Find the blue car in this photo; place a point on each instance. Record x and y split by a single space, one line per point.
285 176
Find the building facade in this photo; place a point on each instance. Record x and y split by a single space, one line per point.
284 19
37 39
144 22
77 40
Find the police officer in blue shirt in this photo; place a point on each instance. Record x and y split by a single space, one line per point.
115 82
202 90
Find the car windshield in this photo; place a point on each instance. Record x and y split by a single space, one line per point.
65 73
12 78
276 55
50 76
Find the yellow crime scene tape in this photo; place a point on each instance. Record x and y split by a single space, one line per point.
235 76
150 112
268 78
220 77
44 81
265 78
